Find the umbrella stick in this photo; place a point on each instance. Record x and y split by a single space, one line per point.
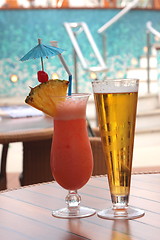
42 64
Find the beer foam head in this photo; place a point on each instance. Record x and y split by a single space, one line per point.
115 86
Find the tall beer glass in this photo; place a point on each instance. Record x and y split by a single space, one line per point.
116 103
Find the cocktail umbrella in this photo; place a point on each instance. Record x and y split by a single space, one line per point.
41 51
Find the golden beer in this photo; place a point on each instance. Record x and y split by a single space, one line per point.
116 115
116 103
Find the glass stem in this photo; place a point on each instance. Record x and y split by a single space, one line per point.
73 200
119 202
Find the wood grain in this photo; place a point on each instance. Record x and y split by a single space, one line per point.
25 213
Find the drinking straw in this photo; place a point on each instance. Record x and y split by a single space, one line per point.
68 71
54 44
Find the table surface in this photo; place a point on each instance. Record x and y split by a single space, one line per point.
25 129
25 213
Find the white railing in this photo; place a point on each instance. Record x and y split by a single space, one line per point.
74 29
118 16
151 29
72 34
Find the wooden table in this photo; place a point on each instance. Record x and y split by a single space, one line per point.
26 213
22 129
35 133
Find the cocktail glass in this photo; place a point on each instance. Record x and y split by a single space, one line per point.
116 103
71 154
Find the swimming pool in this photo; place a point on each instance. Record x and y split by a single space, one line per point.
20 30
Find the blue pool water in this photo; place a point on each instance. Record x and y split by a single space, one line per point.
20 29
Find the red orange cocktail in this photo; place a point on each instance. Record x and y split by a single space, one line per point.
71 155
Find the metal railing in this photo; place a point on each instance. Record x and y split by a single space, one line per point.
150 30
103 29
118 16
73 29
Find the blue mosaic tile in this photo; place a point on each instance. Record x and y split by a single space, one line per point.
20 30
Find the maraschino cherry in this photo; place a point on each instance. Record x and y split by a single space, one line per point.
42 76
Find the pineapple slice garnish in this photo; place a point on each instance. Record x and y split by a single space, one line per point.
42 97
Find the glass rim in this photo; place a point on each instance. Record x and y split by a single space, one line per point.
75 95
115 80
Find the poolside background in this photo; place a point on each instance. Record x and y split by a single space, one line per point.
126 40
20 29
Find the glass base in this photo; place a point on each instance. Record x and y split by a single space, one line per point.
115 214
80 212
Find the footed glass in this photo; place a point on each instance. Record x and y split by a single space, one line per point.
116 103
71 154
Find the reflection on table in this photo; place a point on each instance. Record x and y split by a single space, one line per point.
26 212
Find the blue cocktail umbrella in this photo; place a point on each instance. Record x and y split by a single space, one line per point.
41 51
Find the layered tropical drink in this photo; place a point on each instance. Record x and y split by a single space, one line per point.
116 103
71 155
